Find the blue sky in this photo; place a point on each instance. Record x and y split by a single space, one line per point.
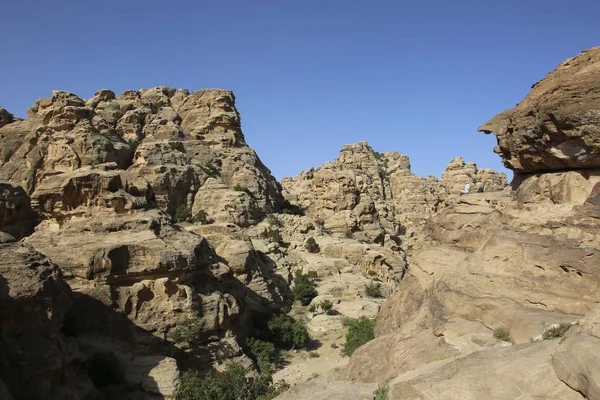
417 77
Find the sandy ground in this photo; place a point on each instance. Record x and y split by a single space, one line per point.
299 366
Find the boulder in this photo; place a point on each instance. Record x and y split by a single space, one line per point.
557 126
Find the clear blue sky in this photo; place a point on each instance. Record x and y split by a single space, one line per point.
417 77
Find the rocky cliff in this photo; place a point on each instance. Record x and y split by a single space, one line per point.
114 178
375 197
522 262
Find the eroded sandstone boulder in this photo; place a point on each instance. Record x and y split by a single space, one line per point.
17 219
557 126
38 360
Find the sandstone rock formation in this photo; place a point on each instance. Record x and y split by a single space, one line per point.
375 196
556 126
526 262
38 360
173 139
5 117
17 219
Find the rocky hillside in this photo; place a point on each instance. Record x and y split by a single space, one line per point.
375 197
499 271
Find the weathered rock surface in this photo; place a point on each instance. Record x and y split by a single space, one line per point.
458 173
523 371
556 127
320 389
5 117
38 360
375 197
17 219
171 138
489 264
577 359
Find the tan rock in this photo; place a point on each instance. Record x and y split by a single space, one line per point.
34 300
321 389
523 371
556 127
577 358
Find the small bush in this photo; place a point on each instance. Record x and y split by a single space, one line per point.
313 354
201 218
311 245
373 289
334 346
360 331
312 308
133 144
263 352
502 333
348 234
556 331
320 222
304 289
187 331
182 213
104 369
211 170
272 235
238 188
326 307
231 384
287 332
382 393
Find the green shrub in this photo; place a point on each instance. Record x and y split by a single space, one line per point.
133 144
238 188
320 222
382 393
104 369
360 331
187 331
263 352
231 384
287 332
201 217
556 331
373 289
272 235
334 346
311 245
348 234
313 354
326 307
502 333
312 308
182 213
304 289
211 170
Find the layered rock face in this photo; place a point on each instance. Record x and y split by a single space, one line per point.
38 360
189 147
556 126
375 196
526 261
107 175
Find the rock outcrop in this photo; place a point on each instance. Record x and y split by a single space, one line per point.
171 138
375 197
5 117
17 219
556 126
525 262
38 359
